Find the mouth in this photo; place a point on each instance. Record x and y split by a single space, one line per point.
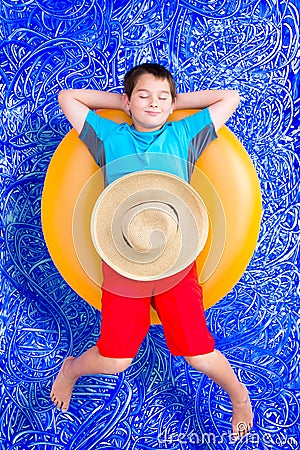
153 113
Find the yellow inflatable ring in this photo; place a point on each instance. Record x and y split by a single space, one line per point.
224 176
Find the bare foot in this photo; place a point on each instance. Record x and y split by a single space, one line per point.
242 415
62 387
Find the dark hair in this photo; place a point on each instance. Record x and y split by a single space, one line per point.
132 76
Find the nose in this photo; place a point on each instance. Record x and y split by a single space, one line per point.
153 103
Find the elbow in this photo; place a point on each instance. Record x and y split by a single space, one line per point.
235 98
62 96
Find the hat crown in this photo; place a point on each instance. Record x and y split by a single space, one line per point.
151 226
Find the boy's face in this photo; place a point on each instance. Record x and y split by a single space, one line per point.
150 104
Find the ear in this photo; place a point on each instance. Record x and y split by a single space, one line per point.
126 102
173 106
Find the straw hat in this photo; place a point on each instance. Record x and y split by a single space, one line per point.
149 225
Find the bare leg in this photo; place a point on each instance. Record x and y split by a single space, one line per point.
218 369
90 362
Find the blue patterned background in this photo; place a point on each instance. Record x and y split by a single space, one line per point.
159 402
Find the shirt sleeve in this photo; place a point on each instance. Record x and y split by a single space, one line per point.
93 134
195 123
200 132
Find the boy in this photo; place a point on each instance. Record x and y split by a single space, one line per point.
150 96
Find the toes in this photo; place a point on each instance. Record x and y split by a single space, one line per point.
241 430
53 398
242 427
61 405
58 403
65 407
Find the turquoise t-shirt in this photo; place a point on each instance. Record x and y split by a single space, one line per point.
120 149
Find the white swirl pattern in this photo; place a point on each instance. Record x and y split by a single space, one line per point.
159 402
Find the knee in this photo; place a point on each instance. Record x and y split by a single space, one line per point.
203 363
123 364
114 365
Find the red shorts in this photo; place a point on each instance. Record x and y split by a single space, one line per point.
126 317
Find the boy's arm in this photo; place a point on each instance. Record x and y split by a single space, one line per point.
76 103
221 103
